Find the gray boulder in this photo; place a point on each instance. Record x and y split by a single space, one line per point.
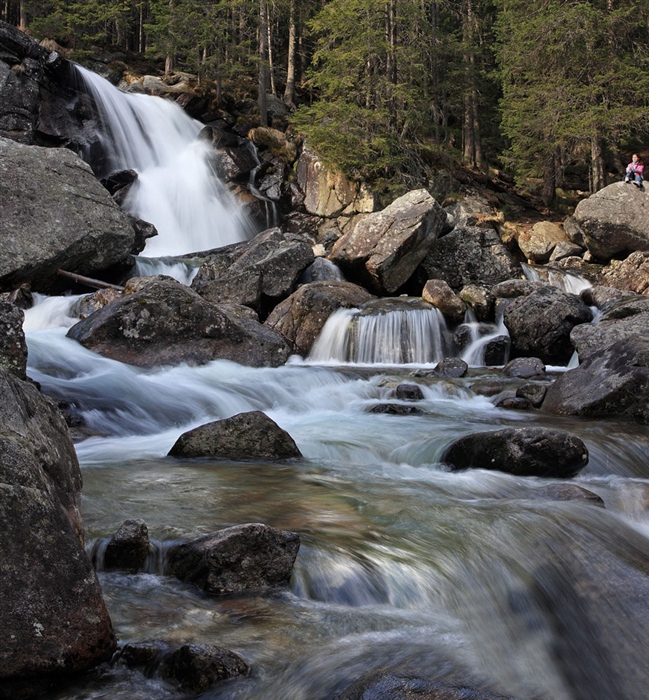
245 436
52 615
519 451
539 242
383 249
166 323
601 296
622 320
13 348
240 558
539 324
259 273
510 289
128 548
55 214
611 382
301 317
442 297
631 274
614 220
469 255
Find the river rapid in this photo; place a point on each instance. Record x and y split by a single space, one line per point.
403 565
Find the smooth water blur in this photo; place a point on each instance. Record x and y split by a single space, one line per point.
176 189
402 565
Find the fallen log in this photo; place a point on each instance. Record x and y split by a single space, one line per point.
89 281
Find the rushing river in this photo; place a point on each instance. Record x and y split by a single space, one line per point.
403 565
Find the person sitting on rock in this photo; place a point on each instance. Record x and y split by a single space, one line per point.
634 171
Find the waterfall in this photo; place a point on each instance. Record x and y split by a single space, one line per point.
176 190
401 336
566 281
481 335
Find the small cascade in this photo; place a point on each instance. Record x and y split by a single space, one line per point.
272 218
565 280
488 342
180 270
393 334
176 190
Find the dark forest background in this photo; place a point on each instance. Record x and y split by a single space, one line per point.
555 92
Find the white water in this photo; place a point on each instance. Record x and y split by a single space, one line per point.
566 281
176 189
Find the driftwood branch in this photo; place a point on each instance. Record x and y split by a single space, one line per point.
88 281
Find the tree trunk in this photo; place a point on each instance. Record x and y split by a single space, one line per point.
262 102
549 180
289 92
597 164
271 69
22 23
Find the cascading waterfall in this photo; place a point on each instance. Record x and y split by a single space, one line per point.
566 281
176 189
481 335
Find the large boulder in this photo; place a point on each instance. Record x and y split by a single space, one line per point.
258 273
166 323
327 192
539 324
539 242
622 320
240 558
52 614
614 220
383 249
301 317
55 214
519 451
13 348
246 436
611 382
469 255
631 274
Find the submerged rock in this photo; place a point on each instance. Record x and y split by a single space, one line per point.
384 248
409 392
525 367
519 451
237 559
52 614
246 436
302 316
165 323
611 382
55 214
197 667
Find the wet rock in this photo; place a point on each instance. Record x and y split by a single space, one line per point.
613 381
519 451
539 242
539 324
496 351
321 270
395 409
21 297
409 392
534 392
442 297
93 302
197 667
272 262
165 323
245 436
614 220
140 655
515 403
600 296
622 320
631 274
525 367
235 163
52 614
119 179
510 289
452 368
128 548
301 317
480 299
469 255
13 347
383 249
56 215
565 249
240 558
328 192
